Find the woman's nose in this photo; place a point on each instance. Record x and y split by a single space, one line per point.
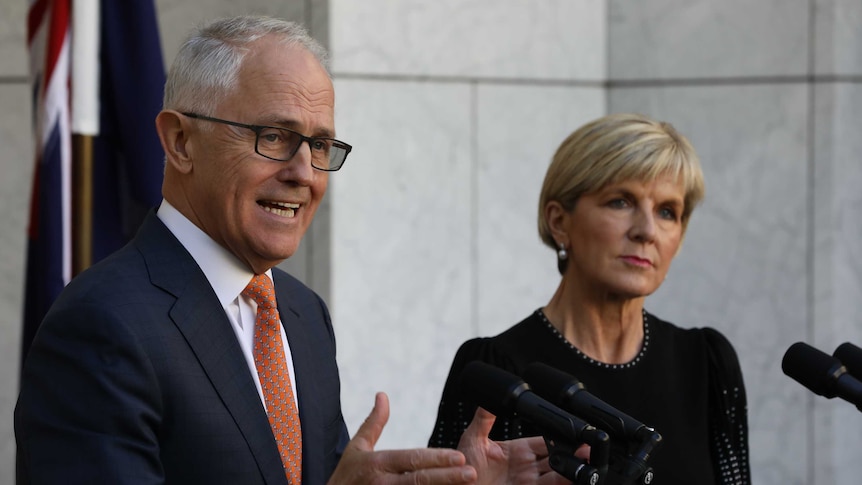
643 226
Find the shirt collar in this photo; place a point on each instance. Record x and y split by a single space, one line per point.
226 274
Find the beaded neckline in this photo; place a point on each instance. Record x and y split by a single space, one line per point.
592 361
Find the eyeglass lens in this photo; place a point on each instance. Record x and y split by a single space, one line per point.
282 144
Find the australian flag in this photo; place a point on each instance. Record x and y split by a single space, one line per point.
128 160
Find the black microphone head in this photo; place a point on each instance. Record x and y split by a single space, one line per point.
814 369
492 388
851 357
551 383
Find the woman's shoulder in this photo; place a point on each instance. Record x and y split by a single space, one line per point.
700 342
709 335
508 348
528 327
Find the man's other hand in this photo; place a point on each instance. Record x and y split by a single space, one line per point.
522 461
360 464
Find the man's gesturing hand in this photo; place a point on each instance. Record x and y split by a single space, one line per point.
523 461
360 464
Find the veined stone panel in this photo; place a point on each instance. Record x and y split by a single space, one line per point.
401 267
519 129
178 17
669 39
14 56
537 39
838 37
837 278
18 165
743 265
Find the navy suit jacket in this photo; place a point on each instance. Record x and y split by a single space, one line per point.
136 376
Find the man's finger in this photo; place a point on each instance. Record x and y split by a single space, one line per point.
553 478
583 452
406 461
460 475
536 445
369 432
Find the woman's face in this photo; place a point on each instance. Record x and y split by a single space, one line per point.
622 238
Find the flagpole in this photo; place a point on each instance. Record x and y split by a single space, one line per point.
86 29
82 202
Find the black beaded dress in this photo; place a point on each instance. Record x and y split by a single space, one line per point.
685 383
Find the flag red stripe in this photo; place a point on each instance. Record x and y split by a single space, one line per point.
35 18
59 26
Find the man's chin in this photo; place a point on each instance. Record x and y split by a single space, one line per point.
264 260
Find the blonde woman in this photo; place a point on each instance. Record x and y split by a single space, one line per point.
614 206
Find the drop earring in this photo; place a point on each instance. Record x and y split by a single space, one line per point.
562 255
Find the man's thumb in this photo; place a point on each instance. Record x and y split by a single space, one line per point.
367 435
482 423
478 430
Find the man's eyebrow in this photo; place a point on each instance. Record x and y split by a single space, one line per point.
294 125
324 133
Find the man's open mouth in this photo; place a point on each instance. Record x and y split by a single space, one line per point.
283 209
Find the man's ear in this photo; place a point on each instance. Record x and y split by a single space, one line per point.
558 219
173 129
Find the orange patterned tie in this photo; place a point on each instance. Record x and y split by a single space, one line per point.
274 378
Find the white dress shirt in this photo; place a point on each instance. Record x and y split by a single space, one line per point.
228 277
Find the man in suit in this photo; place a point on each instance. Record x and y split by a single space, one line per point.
174 360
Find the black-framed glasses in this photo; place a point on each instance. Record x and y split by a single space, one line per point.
281 144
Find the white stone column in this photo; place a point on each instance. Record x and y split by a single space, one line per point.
454 109
769 256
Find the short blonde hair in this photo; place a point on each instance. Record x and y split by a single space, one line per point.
617 148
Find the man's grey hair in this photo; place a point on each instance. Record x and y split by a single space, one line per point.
206 68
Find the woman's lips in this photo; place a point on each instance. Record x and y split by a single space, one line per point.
637 261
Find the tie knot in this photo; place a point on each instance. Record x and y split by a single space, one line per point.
260 290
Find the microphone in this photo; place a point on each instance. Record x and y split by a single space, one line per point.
569 393
505 394
821 373
851 356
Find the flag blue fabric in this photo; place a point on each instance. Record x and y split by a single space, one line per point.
48 265
128 159
128 165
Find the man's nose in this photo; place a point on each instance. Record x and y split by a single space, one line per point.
298 169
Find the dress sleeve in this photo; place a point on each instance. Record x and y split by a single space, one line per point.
728 412
456 411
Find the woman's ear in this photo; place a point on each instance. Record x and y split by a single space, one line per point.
173 130
558 220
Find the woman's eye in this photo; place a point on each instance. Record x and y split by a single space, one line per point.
618 203
668 213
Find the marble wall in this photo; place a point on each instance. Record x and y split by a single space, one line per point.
427 236
16 163
766 91
454 110
836 227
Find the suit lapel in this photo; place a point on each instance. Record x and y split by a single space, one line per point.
201 319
